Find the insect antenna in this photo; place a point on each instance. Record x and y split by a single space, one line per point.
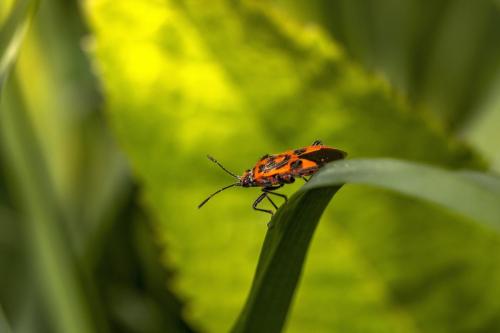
211 195
222 167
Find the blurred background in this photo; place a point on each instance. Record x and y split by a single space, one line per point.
111 108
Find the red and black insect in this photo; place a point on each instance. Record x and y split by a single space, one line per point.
273 171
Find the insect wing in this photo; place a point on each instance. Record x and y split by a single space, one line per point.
324 155
272 165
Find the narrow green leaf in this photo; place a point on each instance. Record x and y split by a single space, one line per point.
281 261
475 195
4 325
472 194
52 257
61 287
12 34
482 132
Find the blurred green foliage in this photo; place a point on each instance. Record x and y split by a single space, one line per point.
65 188
431 50
97 208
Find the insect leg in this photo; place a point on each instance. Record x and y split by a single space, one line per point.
270 190
272 202
305 179
259 199
279 195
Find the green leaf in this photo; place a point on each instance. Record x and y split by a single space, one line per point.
51 256
287 241
430 51
12 34
50 251
474 195
281 260
483 131
4 325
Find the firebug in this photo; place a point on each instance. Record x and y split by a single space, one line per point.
274 171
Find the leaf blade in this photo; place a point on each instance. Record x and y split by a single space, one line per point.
473 195
282 256
12 34
280 265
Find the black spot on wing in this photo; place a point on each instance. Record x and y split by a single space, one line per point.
296 164
324 155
